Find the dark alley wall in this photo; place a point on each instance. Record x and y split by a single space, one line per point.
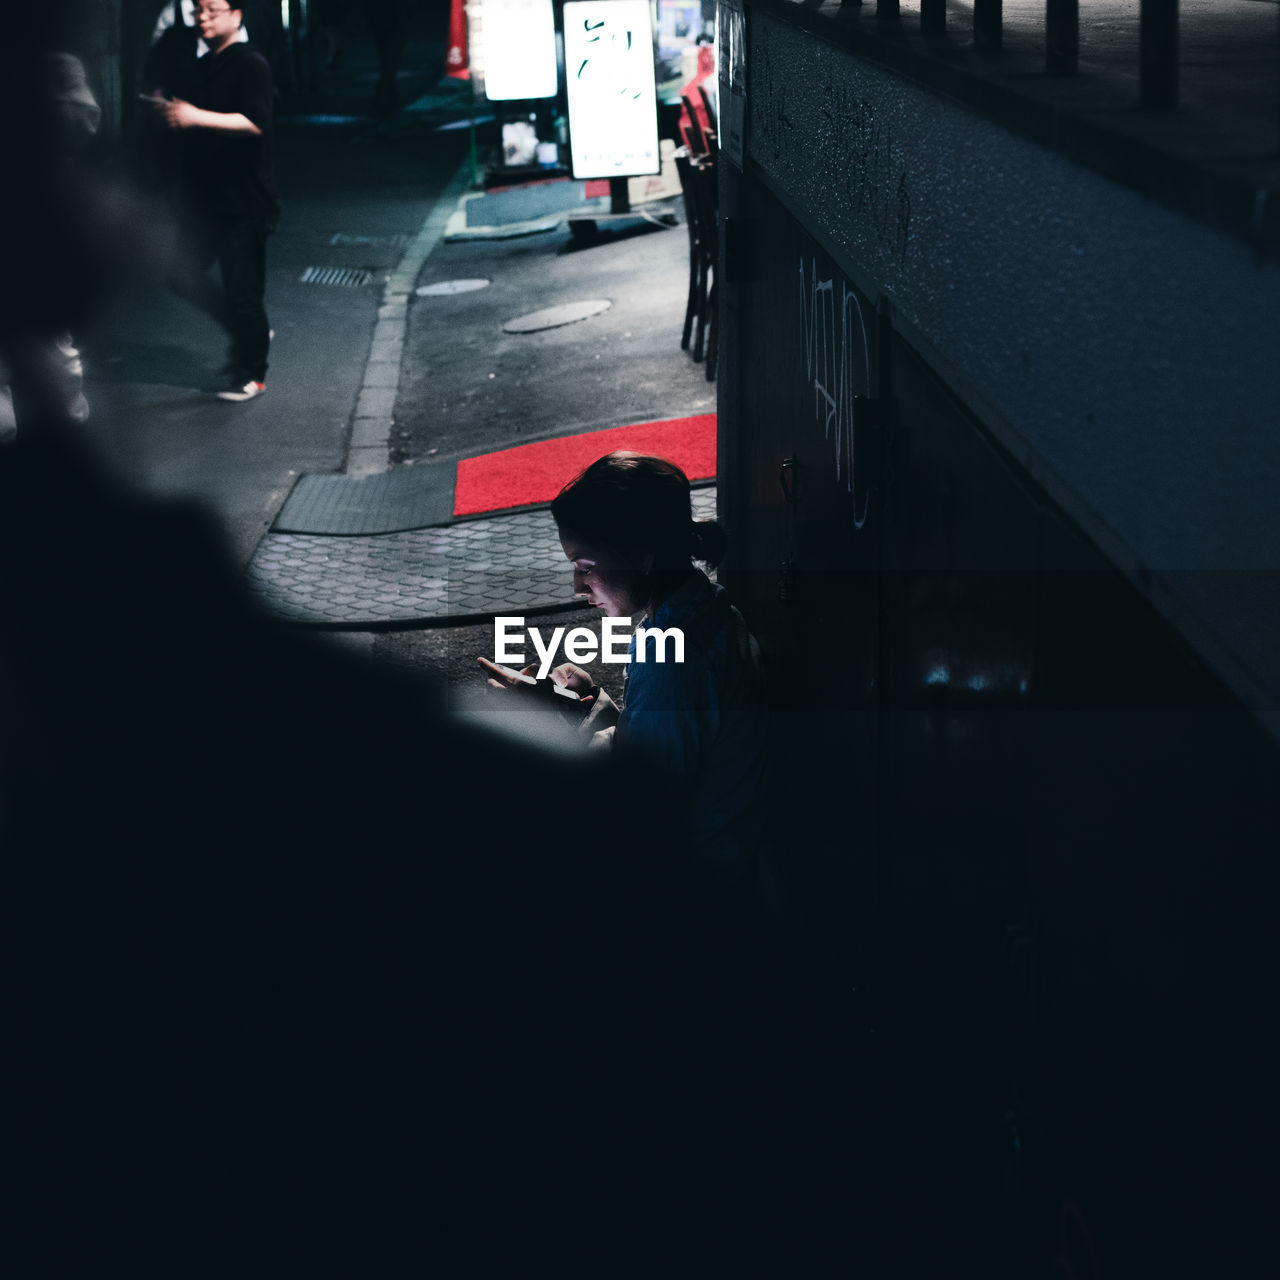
998 475
1121 352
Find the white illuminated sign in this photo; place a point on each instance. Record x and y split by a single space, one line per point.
613 105
519 39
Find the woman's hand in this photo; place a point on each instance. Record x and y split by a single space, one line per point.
505 678
569 676
566 676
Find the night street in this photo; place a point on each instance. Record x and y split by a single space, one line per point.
902 374
355 194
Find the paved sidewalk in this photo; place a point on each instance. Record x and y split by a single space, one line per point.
355 194
472 569
353 200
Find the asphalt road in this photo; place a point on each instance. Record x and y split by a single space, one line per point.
466 386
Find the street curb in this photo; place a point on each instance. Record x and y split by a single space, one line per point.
458 228
371 423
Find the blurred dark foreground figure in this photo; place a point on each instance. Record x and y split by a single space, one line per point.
288 982
292 975
305 973
51 118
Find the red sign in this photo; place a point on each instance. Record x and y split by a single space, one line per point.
456 61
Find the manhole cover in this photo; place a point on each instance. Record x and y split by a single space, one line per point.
553 317
442 288
344 277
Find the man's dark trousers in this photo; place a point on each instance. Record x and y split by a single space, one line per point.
239 246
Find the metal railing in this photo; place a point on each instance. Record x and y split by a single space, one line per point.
1159 44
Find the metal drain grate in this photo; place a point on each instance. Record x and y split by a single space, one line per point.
344 277
375 242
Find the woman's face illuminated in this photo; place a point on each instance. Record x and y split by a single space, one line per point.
603 578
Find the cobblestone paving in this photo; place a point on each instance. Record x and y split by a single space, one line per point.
474 568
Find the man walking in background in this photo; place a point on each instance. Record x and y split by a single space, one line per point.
228 195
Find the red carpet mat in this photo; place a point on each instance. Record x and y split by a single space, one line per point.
533 473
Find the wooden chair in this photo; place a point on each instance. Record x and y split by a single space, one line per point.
693 306
705 199
698 178
695 133
709 106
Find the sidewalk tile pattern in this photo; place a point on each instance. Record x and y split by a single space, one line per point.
509 564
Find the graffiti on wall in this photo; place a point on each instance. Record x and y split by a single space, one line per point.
837 362
843 141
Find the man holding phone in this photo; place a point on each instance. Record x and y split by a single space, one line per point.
229 204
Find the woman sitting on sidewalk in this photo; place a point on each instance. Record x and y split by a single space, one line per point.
627 527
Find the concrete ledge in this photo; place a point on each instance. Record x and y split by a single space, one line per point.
367 461
376 402
457 229
382 373
369 433
386 353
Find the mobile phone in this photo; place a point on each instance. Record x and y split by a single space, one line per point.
544 685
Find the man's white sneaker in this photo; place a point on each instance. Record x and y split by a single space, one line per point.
250 391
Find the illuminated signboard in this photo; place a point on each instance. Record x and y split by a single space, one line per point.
519 43
613 105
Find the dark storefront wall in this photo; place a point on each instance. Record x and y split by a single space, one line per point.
1012 800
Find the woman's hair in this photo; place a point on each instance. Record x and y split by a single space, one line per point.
636 504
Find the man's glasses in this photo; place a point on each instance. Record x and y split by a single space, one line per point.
205 11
